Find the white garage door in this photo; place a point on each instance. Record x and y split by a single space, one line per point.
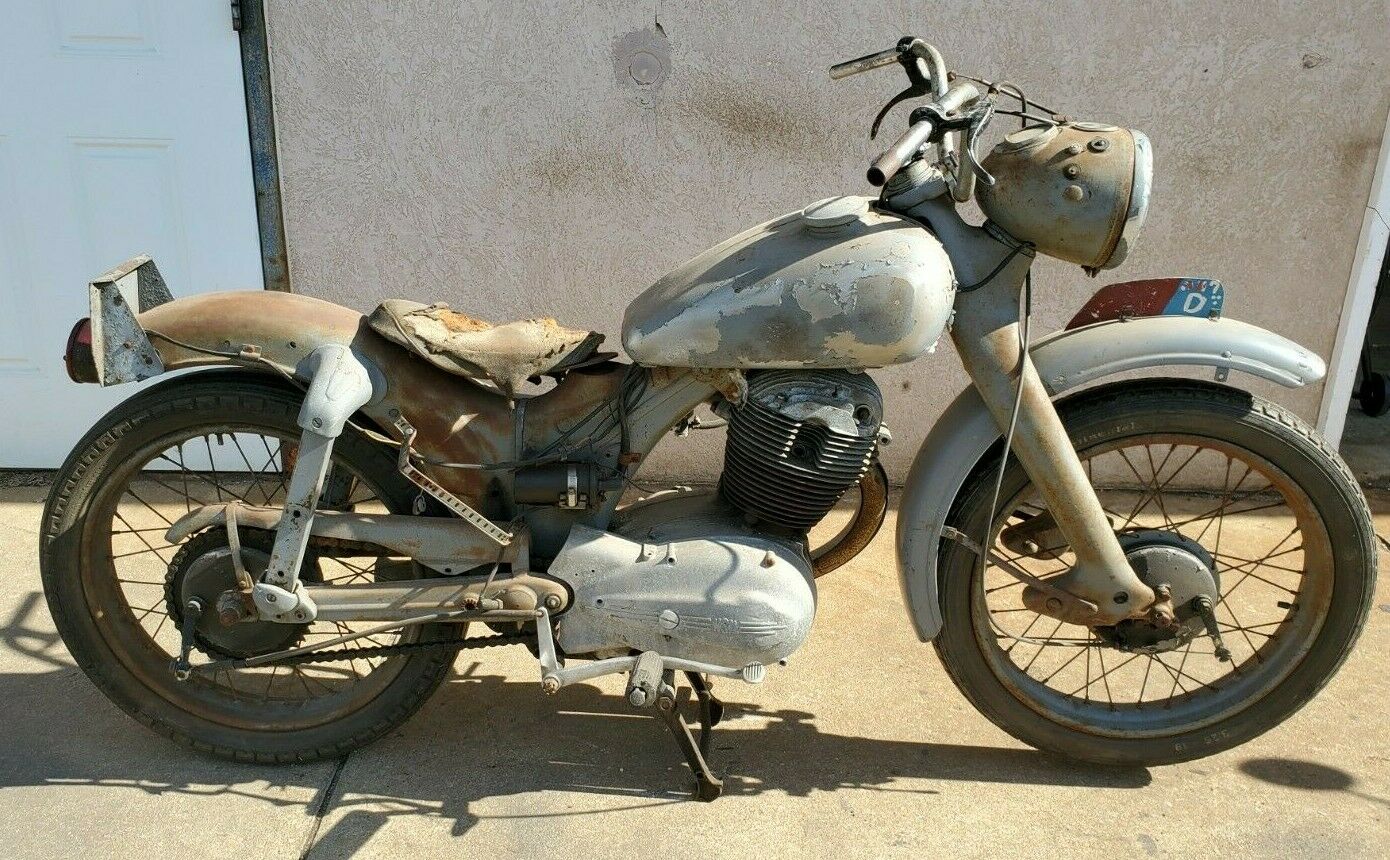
122 131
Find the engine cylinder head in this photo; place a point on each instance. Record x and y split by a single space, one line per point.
798 442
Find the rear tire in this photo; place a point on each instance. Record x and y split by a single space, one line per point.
1175 409
76 559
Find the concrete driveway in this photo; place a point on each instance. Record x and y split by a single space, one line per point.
862 748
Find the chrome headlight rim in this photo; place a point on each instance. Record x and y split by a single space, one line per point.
1141 186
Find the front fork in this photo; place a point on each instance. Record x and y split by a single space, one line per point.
1101 588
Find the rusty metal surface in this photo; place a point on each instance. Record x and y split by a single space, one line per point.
265 156
457 420
859 532
1069 191
987 338
568 411
838 284
121 351
1151 297
286 327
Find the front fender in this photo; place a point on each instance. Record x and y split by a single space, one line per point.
1065 360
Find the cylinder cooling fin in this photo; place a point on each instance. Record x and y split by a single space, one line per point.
798 442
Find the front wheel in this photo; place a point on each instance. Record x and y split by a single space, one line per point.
1272 525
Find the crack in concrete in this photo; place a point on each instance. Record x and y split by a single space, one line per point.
322 807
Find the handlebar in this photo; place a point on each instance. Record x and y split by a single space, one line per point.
936 122
902 151
865 63
920 133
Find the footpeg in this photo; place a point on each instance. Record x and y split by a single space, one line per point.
645 680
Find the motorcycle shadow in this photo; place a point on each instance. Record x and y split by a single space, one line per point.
589 739
481 738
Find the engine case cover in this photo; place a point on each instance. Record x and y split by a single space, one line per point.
725 598
836 285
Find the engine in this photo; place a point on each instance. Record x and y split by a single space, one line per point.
798 442
684 576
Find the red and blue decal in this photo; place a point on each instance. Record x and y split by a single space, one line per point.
1188 297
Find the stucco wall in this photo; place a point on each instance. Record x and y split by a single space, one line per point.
501 156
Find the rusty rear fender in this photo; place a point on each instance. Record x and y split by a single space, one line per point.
282 327
457 420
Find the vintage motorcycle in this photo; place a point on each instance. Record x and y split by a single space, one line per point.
1133 571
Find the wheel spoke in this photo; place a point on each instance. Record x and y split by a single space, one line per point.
1040 648
165 488
149 547
1158 480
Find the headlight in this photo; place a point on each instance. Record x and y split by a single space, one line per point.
1079 192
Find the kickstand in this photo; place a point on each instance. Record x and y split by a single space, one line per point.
711 709
669 704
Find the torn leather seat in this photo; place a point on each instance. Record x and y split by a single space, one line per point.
505 355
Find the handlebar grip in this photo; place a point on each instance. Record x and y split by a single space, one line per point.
864 63
900 153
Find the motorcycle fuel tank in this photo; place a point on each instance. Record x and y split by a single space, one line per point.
838 284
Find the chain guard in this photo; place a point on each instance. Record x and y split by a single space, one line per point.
339 654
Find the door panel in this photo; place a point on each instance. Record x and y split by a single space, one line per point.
16 346
122 131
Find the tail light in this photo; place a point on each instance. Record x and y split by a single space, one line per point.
81 363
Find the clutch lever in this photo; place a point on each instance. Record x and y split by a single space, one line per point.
920 86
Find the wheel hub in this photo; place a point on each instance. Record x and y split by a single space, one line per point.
1162 558
203 569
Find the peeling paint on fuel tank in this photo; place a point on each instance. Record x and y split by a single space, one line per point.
869 291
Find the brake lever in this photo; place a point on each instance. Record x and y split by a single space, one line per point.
972 123
978 120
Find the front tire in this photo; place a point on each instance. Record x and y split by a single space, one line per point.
1315 587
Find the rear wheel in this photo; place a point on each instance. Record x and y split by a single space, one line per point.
1268 520
115 588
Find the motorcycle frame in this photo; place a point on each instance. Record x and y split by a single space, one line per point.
459 420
